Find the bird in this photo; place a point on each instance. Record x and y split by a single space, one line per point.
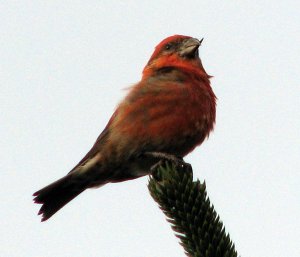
164 116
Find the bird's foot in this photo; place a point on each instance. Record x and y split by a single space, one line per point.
163 157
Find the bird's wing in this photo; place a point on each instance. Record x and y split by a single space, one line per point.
97 145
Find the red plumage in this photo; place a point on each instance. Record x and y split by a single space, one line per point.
170 111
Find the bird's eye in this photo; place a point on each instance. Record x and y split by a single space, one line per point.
168 46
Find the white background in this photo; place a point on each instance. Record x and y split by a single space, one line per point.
63 68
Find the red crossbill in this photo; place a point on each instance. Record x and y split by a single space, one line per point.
165 115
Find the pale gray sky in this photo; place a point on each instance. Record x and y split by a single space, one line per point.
63 68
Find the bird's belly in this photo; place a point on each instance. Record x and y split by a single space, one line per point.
180 132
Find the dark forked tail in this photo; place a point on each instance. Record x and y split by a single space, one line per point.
88 173
56 195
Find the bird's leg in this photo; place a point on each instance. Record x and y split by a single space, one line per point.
178 161
165 156
154 167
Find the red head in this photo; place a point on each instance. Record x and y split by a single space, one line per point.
175 51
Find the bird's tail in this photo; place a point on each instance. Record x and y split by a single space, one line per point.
56 195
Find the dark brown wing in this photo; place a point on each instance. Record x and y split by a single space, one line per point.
98 144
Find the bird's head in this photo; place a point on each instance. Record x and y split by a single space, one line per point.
175 51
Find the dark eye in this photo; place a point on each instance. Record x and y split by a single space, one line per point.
168 46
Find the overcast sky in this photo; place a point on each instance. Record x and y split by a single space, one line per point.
64 66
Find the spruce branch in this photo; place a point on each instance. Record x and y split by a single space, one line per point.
189 211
